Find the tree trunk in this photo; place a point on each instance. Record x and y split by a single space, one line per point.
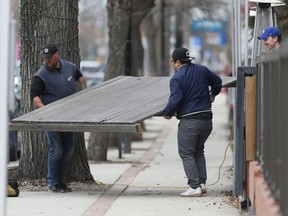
98 146
42 22
79 169
156 29
119 19
140 9
118 25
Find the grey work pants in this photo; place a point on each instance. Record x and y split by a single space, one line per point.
192 135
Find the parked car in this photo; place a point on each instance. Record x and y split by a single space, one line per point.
17 82
90 66
93 71
94 78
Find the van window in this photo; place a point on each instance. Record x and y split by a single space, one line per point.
90 66
93 72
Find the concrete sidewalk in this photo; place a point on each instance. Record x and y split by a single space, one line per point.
148 181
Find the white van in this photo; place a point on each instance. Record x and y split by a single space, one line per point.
93 71
90 66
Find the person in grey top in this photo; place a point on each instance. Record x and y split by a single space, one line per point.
55 80
271 38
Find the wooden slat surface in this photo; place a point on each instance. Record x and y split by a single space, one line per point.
115 105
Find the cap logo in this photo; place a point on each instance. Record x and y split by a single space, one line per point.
187 53
46 50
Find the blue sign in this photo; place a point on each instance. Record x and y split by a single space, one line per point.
208 26
197 41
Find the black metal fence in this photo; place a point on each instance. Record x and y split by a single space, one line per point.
272 123
239 149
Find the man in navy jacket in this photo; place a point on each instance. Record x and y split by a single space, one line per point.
192 90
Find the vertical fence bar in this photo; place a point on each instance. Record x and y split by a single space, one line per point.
239 155
272 123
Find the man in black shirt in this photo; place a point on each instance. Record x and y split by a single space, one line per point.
56 79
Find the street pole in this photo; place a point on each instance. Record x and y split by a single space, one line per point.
12 65
245 47
4 44
128 52
238 160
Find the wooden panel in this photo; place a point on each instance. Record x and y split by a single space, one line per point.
229 82
124 100
250 106
134 128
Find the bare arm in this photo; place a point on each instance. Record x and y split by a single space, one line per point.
81 82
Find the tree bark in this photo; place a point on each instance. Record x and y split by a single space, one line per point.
140 9
118 25
42 22
156 29
119 20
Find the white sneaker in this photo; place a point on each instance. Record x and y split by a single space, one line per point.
192 192
203 188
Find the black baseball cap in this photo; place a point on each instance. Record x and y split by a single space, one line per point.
181 54
48 50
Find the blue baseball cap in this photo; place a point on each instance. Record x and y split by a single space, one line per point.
269 31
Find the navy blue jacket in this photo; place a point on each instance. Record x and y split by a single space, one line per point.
189 90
